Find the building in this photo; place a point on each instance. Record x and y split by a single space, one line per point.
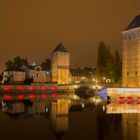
60 65
38 75
78 75
14 76
131 54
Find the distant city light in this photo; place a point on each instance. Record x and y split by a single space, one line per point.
48 72
75 86
104 107
83 78
104 78
97 87
83 105
47 110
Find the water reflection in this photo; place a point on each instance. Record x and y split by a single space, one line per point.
59 117
57 111
122 107
75 119
25 108
108 125
130 122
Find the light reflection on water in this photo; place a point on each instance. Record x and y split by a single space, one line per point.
130 117
69 119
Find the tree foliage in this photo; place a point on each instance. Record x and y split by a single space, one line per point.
46 65
108 65
118 66
16 63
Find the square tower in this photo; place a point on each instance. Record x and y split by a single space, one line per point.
131 54
60 65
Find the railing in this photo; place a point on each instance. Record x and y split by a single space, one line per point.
26 88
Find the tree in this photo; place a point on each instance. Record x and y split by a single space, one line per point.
117 66
16 63
9 65
108 65
46 65
1 77
28 81
102 59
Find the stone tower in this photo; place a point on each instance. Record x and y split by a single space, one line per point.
60 65
131 54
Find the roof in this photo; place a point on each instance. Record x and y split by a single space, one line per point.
18 70
60 48
80 72
135 23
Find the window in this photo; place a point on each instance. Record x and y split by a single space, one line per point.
37 75
38 69
127 73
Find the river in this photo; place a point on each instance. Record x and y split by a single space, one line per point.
65 119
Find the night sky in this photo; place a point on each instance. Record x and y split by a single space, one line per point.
33 28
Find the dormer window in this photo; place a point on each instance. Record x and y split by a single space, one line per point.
38 69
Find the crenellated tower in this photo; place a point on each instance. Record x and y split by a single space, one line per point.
60 65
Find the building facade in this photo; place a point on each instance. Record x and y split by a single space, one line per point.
78 75
14 77
131 54
38 75
60 65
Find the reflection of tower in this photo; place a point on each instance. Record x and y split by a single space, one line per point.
60 65
59 117
131 55
131 126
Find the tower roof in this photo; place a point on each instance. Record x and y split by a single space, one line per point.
60 48
135 23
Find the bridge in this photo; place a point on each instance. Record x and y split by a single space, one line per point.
28 88
87 85
121 95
